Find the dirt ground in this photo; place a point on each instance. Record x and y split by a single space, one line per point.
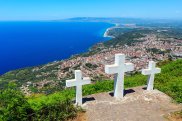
81 117
137 105
174 117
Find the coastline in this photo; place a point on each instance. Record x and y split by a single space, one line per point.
117 25
13 68
106 34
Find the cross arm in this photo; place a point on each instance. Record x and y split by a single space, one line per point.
129 67
158 70
149 71
146 71
111 69
86 80
71 83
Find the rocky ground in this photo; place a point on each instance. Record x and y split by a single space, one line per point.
137 105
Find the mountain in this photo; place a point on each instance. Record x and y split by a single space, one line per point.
121 20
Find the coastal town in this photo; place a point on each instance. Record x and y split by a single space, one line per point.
146 48
138 54
90 60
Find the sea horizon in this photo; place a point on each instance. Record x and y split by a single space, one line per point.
32 43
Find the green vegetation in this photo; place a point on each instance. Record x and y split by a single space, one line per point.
119 31
155 50
58 106
129 36
169 81
126 38
91 66
173 32
39 101
15 107
34 75
171 76
123 36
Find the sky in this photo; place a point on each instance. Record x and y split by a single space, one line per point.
60 9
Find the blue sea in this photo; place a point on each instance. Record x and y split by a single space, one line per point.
24 44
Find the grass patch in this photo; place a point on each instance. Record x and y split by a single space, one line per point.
59 106
169 82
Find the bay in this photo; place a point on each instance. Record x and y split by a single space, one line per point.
24 44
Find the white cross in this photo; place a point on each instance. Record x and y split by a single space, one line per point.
78 82
119 69
151 71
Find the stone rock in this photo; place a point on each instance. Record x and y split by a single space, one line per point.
138 104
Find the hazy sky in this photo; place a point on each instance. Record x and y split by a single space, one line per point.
58 9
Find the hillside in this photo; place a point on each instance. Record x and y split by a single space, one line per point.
169 82
49 106
160 44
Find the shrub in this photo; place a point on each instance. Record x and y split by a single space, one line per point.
13 105
60 111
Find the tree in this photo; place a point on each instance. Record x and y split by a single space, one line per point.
13 105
